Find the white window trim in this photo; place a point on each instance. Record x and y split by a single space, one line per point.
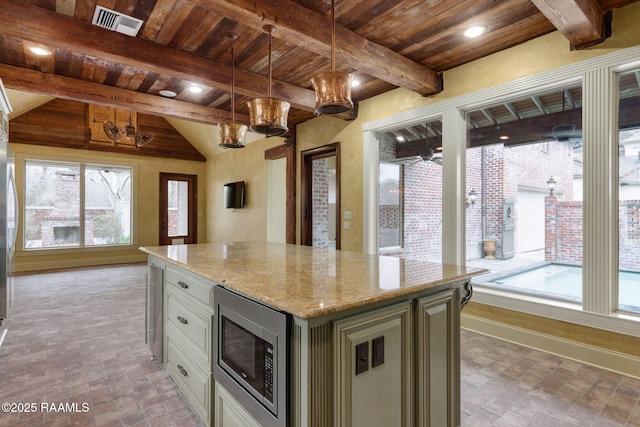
21 161
600 262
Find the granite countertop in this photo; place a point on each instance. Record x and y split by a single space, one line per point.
309 282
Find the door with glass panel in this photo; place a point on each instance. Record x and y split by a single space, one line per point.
178 209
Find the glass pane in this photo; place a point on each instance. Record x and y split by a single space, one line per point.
524 193
178 208
629 194
410 202
390 207
52 205
107 205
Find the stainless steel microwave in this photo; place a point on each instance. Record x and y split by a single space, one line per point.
252 355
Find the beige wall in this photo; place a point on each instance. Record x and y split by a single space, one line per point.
249 165
148 188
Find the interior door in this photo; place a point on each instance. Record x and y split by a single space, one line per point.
178 209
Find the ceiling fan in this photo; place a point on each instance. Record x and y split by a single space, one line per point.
114 133
565 132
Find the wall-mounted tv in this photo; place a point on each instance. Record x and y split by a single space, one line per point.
234 195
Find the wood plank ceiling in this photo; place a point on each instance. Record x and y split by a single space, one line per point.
385 43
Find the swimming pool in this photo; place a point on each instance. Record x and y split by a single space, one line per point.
560 281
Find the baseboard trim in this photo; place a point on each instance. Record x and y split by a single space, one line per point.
584 353
70 262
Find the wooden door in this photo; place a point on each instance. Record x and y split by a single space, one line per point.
178 208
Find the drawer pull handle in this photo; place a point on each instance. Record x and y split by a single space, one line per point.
183 371
182 284
183 320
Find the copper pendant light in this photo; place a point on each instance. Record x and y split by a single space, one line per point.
232 134
268 115
333 88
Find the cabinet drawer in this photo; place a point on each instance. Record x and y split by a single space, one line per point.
194 383
191 285
193 324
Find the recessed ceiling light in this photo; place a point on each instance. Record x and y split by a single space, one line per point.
400 138
40 51
355 83
195 89
474 31
168 93
504 137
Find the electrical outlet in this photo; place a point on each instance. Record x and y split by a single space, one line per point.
377 349
362 357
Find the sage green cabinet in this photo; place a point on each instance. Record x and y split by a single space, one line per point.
438 360
188 337
380 395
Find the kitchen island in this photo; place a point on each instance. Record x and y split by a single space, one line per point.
403 313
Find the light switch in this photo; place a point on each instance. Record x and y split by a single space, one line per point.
347 214
345 225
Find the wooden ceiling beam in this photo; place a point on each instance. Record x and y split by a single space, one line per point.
79 90
302 27
581 21
57 30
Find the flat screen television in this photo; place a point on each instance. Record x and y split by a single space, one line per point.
234 195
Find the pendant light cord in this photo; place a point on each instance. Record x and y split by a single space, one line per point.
233 78
333 36
270 46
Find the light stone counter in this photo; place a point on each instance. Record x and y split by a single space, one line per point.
309 282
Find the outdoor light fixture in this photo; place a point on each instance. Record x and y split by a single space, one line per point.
333 88
471 198
268 115
551 185
232 134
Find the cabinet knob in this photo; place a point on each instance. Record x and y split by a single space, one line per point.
183 320
183 371
182 284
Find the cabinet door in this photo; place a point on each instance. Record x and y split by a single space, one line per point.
381 394
228 412
438 360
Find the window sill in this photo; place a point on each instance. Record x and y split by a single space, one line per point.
559 310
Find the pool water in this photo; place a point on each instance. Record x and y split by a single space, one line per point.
564 282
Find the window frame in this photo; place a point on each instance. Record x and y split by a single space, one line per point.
23 159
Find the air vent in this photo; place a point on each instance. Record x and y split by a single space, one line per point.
115 21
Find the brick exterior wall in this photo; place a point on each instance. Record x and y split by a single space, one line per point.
630 235
474 212
422 213
563 231
320 215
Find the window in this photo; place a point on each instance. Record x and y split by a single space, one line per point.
518 150
76 205
410 191
390 208
629 194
